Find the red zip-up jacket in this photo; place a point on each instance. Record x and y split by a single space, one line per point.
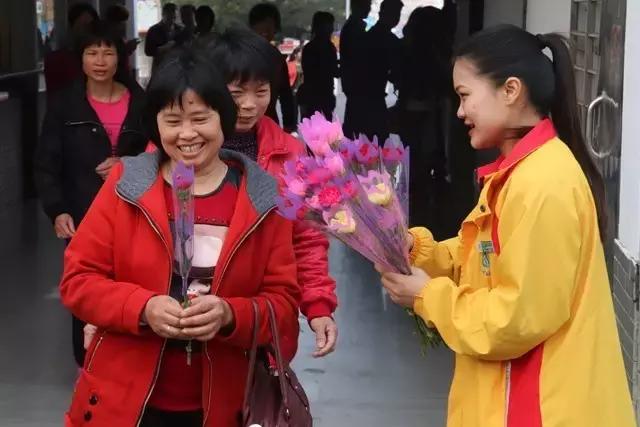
121 257
275 147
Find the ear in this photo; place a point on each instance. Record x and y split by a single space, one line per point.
512 90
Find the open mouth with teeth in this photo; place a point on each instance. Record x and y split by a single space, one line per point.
191 148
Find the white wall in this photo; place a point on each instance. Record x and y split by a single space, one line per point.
629 231
503 12
548 16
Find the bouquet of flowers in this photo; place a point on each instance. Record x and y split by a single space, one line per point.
184 211
355 191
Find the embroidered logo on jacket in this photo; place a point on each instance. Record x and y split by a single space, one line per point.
485 247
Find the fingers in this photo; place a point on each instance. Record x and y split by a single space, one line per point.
71 226
327 343
200 319
321 337
201 305
168 331
173 308
89 333
202 333
326 335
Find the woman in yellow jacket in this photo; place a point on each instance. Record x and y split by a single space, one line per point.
522 294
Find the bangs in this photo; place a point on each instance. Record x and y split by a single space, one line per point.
179 73
244 56
99 33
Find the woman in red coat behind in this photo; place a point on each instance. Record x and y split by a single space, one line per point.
119 271
245 60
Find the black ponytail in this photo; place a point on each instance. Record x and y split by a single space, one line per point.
508 51
566 118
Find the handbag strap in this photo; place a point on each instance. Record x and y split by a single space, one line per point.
279 359
252 357
254 352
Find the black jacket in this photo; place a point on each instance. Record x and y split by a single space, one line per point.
73 143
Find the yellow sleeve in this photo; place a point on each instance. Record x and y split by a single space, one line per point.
435 258
533 282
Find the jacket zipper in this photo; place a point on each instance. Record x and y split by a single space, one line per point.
164 343
95 350
219 281
507 393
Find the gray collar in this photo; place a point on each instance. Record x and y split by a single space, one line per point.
141 172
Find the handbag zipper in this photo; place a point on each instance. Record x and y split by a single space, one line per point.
164 343
218 282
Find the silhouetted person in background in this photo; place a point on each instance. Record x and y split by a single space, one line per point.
205 22
353 66
264 19
319 68
188 20
117 16
62 67
161 36
383 51
423 87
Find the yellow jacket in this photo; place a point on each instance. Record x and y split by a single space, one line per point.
523 299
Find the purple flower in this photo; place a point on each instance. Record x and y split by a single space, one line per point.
393 151
291 206
366 152
347 149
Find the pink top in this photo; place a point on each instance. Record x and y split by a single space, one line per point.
112 115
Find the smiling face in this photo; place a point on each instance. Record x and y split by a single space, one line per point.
252 99
191 133
100 62
483 107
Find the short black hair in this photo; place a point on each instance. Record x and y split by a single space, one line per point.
205 16
182 69
116 13
320 20
78 9
243 55
98 32
169 8
264 11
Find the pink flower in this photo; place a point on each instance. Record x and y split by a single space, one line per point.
366 152
350 188
297 186
320 134
314 202
319 176
393 151
329 196
319 147
335 164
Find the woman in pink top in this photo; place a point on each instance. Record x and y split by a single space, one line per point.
88 126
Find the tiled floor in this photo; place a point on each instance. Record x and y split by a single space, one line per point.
376 378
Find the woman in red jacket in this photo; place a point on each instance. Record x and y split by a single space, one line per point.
245 61
119 276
